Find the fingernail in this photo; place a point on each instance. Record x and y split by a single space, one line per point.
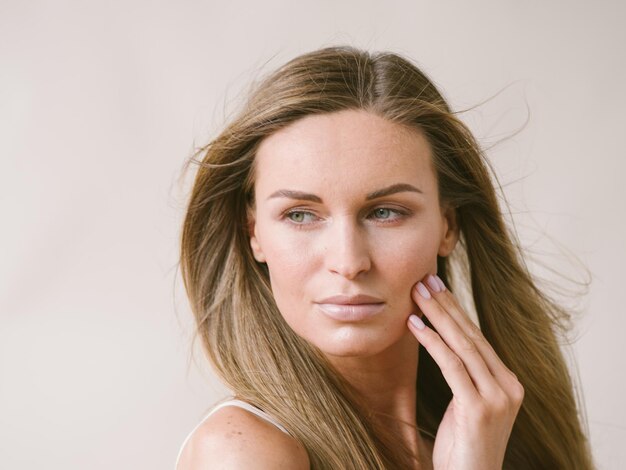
421 288
432 283
417 322
441 284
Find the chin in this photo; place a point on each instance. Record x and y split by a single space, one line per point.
353 341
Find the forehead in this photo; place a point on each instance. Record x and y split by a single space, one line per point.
343 151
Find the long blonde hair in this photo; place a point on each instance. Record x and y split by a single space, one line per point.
263 361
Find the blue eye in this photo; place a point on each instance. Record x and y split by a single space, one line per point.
383 212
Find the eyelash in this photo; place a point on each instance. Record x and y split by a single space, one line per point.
400 214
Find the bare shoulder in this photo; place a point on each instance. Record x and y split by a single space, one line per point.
233 438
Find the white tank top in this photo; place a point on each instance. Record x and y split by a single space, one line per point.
232 402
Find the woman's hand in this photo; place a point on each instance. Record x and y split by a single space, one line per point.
477 424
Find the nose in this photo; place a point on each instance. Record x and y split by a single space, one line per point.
347 250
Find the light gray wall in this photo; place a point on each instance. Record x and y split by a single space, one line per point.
101 102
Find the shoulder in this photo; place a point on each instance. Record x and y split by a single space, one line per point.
233 438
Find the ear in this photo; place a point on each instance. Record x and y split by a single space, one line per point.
450 231
257 252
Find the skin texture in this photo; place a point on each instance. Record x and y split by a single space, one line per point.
345 244
233 438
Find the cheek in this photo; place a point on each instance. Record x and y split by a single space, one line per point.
291 264
288 257
409 257
401 265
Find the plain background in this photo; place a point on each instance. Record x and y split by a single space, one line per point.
102 102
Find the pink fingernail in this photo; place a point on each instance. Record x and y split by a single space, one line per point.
443 286
421 288
433 284
417 322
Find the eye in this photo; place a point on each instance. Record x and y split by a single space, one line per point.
298 216
387 214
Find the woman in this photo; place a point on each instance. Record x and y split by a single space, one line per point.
328 227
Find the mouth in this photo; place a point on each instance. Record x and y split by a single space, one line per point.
351 312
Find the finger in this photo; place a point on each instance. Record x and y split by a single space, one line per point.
452 367
450 303
458 341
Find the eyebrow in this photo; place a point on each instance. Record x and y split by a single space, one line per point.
394 188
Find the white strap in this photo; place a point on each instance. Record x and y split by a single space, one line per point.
252 409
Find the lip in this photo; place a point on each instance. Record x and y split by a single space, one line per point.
351 308
343 299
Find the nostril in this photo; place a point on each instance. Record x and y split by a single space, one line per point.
351 268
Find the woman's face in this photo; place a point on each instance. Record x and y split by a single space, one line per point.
347 205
